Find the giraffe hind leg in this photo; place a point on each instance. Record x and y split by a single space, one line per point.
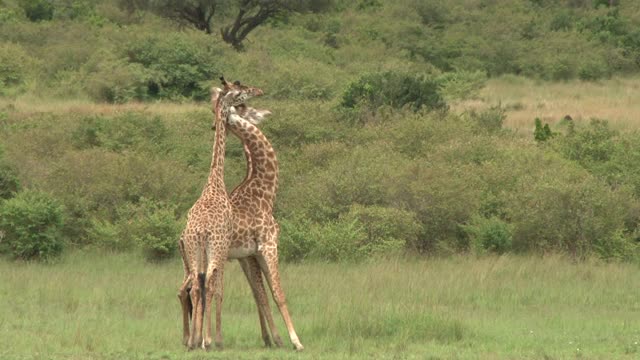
201 281
268 261
252 271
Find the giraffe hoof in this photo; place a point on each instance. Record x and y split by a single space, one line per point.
298 347
267 341
278 341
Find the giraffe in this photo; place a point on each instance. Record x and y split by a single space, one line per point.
204 242
249 265
254 240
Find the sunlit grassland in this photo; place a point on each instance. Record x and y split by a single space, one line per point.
92 306
616 100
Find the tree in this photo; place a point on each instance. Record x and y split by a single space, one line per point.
250 13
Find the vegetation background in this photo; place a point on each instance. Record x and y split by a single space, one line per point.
405 130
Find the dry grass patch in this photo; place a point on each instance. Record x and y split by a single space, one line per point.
617 100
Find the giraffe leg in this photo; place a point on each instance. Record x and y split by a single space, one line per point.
195 338
183 296
263 326
253 272
187 308
214 288
268 260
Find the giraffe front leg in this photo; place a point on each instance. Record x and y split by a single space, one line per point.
214 289
268 260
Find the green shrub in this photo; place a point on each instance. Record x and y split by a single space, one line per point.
490 120
296 244
116 81
489 234
589 145
338 240
126 131
109 236
565 211
394 89
541 133
38 10
156 229
461 85
8 14
14 67
387 230
177 66
32 223
618 246
9 183
150 225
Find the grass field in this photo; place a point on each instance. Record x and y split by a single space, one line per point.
616 100
91 306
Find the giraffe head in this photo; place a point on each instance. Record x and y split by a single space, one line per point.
236 93
239 111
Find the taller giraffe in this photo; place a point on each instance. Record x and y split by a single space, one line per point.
204 243
255 233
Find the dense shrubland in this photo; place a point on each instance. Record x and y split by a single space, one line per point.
372 162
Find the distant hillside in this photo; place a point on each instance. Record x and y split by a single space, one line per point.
104 51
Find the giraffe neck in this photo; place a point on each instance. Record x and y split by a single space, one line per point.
262 164
216 174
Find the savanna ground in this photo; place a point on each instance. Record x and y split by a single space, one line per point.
92 306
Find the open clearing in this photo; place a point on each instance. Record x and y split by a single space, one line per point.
92 306
616 100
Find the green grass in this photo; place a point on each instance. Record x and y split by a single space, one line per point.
91 306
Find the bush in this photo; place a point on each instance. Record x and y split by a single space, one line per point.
295 242
150 225
490 120
126 131
489 234
338 240
32 223
177 66
566 211
38 10
387 230
394 89
116 81
461 85
155 228
9 183
590 145
618 246
542 133
14 67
